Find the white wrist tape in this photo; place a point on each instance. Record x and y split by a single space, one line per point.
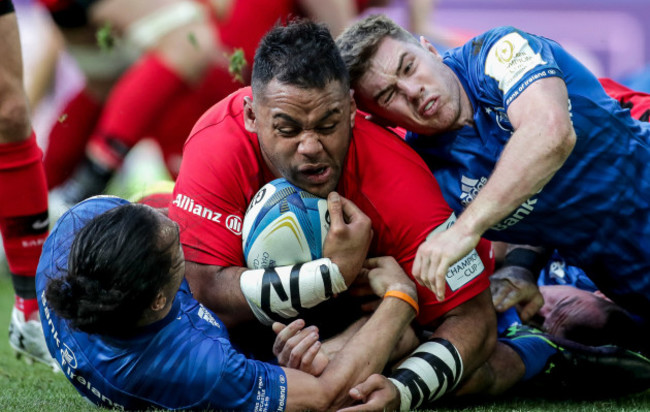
145 32
432 370
283 291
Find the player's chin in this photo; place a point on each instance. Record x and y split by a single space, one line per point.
320 190
318 184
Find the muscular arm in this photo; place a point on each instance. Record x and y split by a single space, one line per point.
218 288
470 328
366 353
476 315
542 141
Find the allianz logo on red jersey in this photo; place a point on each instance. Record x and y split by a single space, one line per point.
186 203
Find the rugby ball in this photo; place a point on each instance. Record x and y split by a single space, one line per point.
284 225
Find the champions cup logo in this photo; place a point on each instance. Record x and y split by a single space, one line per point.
504 51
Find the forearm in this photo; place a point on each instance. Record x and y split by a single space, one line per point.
364 353
459 345
218 289
528 162
476 315
408 341
369 349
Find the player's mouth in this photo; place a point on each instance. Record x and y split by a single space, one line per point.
316 174
429 107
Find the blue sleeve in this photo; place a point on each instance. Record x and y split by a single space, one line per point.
250 385
501 63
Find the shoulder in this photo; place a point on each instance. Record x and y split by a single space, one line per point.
386 176
222 120
383 152
218 132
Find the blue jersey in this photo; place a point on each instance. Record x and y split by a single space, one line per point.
596 209
184 361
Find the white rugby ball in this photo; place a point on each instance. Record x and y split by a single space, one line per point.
284 225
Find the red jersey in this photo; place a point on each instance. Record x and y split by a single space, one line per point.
637 102
223 169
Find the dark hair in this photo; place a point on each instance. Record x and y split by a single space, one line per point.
118 263
301 54
359 42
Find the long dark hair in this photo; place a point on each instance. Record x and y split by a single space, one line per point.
118 263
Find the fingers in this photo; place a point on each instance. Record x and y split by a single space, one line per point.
365 388
336 210
532 307
420 264
440 281
343 210
350 210
380 262
499 292
284 333
430 271
307 358
278 327
372 263
362 393
300 346
356 219
511 297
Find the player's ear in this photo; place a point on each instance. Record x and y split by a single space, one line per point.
428 46
381 121
249 115
159 302
353 108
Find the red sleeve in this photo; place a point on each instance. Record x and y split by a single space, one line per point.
396 189
637 102
219 174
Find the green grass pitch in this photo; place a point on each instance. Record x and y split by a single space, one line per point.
36 388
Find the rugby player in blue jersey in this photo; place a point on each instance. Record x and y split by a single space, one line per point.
525 142
120 320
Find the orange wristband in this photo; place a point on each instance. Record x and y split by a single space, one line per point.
405 297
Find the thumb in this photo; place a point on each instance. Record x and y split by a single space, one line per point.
356 394
335 208
365 388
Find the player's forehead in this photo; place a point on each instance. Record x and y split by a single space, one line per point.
278 97
384 65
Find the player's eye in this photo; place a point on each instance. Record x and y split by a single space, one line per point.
288 131
326 129
389 97
408 68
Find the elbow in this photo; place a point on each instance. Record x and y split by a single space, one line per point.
568 141
564 136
